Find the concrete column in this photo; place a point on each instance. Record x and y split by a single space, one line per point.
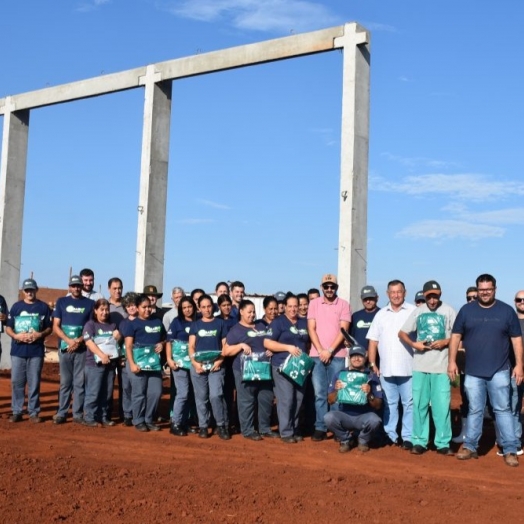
352 244
12 192
152 202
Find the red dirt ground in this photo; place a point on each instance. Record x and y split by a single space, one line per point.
75 474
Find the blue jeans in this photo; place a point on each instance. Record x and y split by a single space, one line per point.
26 370
322 376
498 389
289 399
99 391
395 389
72 382
515 393
209 389
342 424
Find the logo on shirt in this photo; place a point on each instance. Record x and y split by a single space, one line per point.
207 333
155 329
297 331
102 332
252 333
73 309
362 324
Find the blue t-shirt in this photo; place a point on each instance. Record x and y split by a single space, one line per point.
253 337
179 330
284 331
350 409
73 311
486 335
40 311
144 332
94 330
209 335
360 322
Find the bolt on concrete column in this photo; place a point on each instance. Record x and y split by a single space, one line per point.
153 181
12 193
354 150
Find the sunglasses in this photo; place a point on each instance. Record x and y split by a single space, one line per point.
329 286
469 298
518 300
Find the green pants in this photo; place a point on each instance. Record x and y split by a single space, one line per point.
431 388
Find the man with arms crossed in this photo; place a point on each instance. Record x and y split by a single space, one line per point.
487 327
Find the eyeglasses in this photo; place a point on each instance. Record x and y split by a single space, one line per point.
369 299
329 286
518 300
420 301
469 298
487 290
75 285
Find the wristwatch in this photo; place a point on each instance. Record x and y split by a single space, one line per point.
371 397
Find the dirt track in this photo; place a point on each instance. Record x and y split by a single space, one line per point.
72 473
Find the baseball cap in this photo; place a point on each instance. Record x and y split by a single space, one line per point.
280 296
29 283
368 292
432 287
357 350
329 277
152 290
420 297
75 280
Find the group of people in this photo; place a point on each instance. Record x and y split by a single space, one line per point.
309 355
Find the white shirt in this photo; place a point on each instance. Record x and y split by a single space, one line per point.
396 358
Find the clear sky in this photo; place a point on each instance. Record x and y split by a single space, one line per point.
254 162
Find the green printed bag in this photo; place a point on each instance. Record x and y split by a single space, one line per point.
297 368
207 358
146 358
27 324
352 392
180 354
71 332
255 367
430 327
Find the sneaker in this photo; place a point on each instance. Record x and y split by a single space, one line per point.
271 434
142 427
511 460
177 431
91 423
254 436
107 423
59 420
152 427
466 454
288 440
407 445
418 450
36 419
345 446
128 422
363 447
318 436
78 420
203 433
16 417
223 433
446 452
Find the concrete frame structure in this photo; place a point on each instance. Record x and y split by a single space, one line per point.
157 79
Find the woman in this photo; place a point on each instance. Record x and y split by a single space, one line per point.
287 335
225 304
101 339
178 334
144 338
129 302
303 305
207 335
270 306
247 338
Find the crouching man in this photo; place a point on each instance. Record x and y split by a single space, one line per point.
359 395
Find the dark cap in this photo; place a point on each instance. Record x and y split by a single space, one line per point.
29 283
357 350
471 289
368 292
419 297
280 296
431 287
75 280
153 291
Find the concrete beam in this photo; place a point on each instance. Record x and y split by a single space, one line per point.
12 193
352 246
151 232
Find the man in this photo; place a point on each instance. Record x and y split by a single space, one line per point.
280 296
69 318
237 295
361 418
88 283
361 321
432 323
471 293
396 362
177 293
4 311
313 293
28 325
116 308
153 295
326 315
420 300
487 327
